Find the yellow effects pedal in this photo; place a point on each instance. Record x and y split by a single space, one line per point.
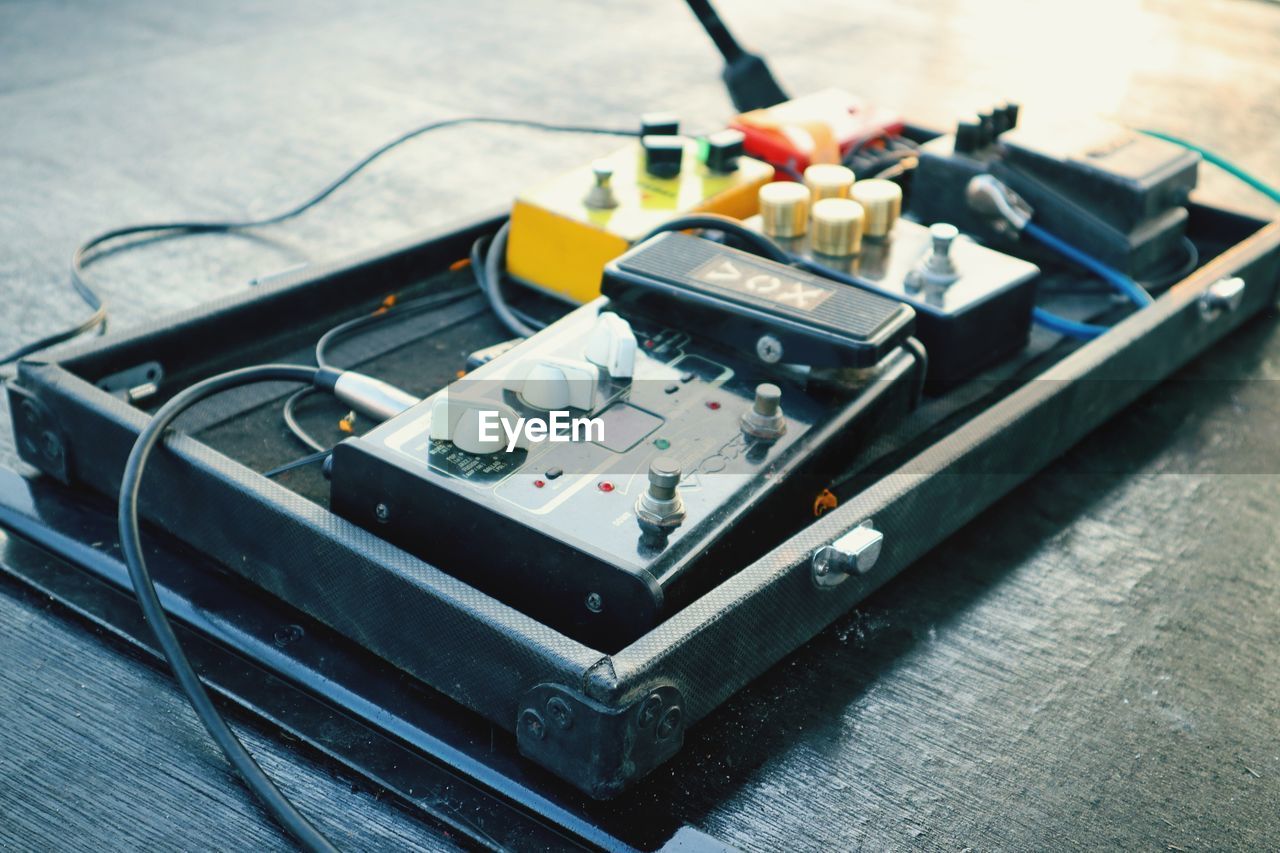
565 230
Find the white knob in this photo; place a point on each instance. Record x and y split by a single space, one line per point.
547 382
612 345
474 426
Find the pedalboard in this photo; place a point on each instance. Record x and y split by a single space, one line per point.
563 231
597 596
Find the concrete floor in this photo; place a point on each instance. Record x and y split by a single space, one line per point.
1091 664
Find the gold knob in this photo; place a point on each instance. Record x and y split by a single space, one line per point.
828 180
837 227
881 203
784 209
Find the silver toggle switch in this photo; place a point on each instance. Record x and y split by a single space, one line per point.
660 509
764 420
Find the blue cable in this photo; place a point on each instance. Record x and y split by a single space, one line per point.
1047 319
1066 328
1053 322
1130 288
1135 292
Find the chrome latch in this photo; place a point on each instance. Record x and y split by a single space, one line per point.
1223 296
852 554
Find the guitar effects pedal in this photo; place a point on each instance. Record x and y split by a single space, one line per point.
592 476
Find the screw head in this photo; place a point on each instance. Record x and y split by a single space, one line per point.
50 445
560 712
532 725
595 603
382 512
649 710
669 723
286 634
769 349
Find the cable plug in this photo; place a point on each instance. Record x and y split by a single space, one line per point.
371 397
988 197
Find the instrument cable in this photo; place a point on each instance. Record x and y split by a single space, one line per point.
754 241
272 799
488 274
1221 162
385 311
87 252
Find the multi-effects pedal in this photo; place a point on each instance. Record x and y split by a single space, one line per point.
591 475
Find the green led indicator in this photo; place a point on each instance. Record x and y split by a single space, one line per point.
661 443
704 148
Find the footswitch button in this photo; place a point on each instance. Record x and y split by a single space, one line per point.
764 420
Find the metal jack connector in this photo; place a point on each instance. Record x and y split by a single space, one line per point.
992 199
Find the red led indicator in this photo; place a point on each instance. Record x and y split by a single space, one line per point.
713 405
538 484
605 486
650 343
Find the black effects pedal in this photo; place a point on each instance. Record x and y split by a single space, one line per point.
687 453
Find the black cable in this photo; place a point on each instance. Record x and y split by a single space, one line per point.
309 459
857 148
1188 265
791 171
82 257
746 75
719 33
271 797
96 320
289 413
892 143
488 265
430 302
897 170
490 280
759 244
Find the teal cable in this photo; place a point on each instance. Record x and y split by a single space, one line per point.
1226 165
